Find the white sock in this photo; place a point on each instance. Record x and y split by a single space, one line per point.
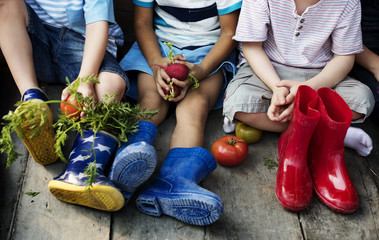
358 140
229 125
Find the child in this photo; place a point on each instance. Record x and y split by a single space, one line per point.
50 40
201 32
285 44
367 67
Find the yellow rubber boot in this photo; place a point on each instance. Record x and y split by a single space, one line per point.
36 129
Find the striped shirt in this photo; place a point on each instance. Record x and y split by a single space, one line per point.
196 26
75 14
307 41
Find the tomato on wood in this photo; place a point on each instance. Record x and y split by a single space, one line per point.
230 150
70 111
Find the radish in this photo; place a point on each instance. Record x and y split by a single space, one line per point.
178 71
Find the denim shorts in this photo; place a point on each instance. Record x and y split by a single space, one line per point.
58 52
135 61
247 93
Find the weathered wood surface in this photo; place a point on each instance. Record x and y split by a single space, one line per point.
251 210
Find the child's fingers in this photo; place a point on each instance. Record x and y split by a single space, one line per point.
180 97
179 57
272 113
65 94
286 114
160 92
163 79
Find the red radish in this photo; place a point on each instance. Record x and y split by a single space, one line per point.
178 71
173 91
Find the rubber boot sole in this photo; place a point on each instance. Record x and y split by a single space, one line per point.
133 166
100 197
185 207
41 145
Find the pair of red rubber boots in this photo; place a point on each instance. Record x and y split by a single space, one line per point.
311 153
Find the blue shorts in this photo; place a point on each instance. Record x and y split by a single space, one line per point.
58 52
135 61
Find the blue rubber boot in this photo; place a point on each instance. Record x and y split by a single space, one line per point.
34 93
40 144
175 191
135 160
70 185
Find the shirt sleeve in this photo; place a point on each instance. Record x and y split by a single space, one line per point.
253 21
228 6
98 10
347 36
144 3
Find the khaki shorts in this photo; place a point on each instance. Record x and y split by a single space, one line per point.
247 93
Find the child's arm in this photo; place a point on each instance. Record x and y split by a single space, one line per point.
222 48
263 68
96 40
219 52
148 43
332 74
369 60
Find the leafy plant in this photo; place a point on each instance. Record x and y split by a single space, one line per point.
114 117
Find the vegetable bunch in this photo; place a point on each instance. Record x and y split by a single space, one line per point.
114 117
178 71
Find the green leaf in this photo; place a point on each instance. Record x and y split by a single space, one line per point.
31 193
269 163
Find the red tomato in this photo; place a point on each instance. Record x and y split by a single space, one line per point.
230 150
68 110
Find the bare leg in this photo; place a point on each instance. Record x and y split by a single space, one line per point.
15 43
148 97
260 121
110 83
192 113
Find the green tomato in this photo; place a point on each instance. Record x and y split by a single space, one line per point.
247 133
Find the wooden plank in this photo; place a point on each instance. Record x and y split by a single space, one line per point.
320 222
45 217
10 185
251 210
10 178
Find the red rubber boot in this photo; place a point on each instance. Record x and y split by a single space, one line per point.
293 186
331 180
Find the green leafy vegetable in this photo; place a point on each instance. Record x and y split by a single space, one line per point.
114 117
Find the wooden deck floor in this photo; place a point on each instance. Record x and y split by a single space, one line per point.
251 210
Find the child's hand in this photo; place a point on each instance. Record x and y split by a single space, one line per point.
278 109
185 85
85 89
292 86
160 76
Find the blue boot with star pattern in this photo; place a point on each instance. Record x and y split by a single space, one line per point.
71 185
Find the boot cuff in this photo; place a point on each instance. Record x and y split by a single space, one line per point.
202 153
